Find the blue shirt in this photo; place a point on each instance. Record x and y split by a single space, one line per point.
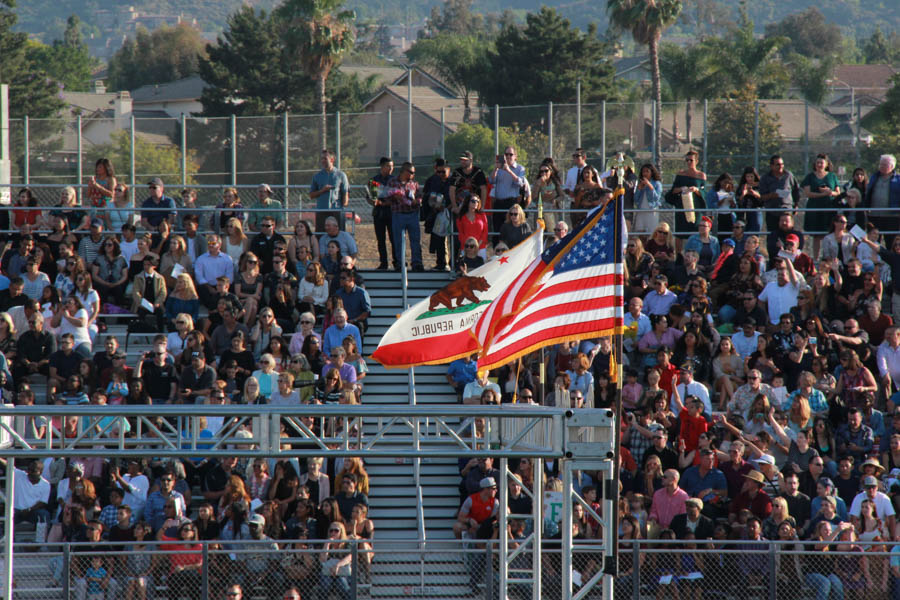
348 373
462 372
334 337
155 212
335 178
692 482
507 185
344 240
208 268
154 509
4 283
356 302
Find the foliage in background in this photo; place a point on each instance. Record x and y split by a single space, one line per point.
806 33
163 55
730 137
480 141
67 60
885 123
458 60
150 160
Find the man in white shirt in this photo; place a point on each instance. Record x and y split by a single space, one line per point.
688 387
780 295
208 268
473 390
135 484
745 341
32 495
883 507
572 174
888 358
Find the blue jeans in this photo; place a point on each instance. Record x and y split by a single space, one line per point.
408 222
341 585
825 586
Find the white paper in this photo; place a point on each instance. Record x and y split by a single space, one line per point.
687 201
783 193
147 305
857 232
177 270
786 255
576 578
692 575
665 579
254 504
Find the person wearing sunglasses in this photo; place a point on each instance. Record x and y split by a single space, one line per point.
405 197
165 503
510 187
336 563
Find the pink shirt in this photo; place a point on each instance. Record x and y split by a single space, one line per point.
631 393
665 507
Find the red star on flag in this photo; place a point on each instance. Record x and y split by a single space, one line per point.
504 260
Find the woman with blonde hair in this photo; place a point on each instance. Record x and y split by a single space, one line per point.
266 375
661 245
312 290
184 324
315 480
229 207
336 561
248 286
183 299
234 241
515 228
780 513
176 255
78 219
235 491
7 337
265 329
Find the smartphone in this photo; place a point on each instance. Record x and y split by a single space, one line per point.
813 341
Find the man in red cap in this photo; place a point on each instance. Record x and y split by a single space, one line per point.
803 264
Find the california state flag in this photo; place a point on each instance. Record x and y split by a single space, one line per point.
437 330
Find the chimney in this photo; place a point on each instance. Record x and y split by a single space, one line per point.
122 109
99 87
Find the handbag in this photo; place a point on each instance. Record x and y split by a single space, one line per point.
40 531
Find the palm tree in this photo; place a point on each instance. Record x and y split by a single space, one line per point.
646 20
318 32
690 77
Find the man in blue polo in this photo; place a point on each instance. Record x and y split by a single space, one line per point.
708 483
331 191
509 182
157 207
356 300
334 335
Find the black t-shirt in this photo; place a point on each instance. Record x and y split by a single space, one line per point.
158 380
216 479
470 182
7 301
65 365
798 506
847 488
192 380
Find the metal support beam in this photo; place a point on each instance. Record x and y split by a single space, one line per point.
443 132
286 159
337 140
390 132
409 135
183 151
26 164
131 156
602 135
9 530
496 129
79 161
705 134
233 150
578 114
550 129
756 135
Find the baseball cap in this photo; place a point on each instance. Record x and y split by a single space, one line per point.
95 222
695 502
155 181
869 481
257 519
265 186
739 223
750 321
467 155
729 242
487 482
687 367
195 354
792 238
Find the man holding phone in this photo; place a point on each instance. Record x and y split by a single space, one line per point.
510 187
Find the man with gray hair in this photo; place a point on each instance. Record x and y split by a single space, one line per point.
333 233
669 500
883 193
334 335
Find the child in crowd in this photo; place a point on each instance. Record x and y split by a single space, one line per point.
117 389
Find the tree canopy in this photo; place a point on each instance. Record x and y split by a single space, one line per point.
458 60
67 60
544 59
163 55
807 34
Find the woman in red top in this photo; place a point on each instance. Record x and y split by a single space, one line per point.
473 223
31 216
185 562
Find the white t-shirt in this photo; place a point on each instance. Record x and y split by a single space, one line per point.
779 299
136 498
571 178
128 249
28 494
745 346
81 334
883 505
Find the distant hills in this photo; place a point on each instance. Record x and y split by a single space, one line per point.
109 18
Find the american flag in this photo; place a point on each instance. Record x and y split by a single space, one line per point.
573 291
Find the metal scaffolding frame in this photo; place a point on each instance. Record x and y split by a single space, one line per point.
580 439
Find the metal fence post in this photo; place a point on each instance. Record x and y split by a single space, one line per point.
805 134
67 564
773 581
337 137
79 160
354 570
705 135
233 150
488 572
636 570
390 128
496 129
443 132
756 135
654 151
183 151
27 157
578 113
204 574
602 134
131 157
286 147
550 129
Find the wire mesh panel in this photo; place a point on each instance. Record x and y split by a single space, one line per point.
209 144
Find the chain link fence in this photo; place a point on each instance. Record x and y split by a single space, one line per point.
682 570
